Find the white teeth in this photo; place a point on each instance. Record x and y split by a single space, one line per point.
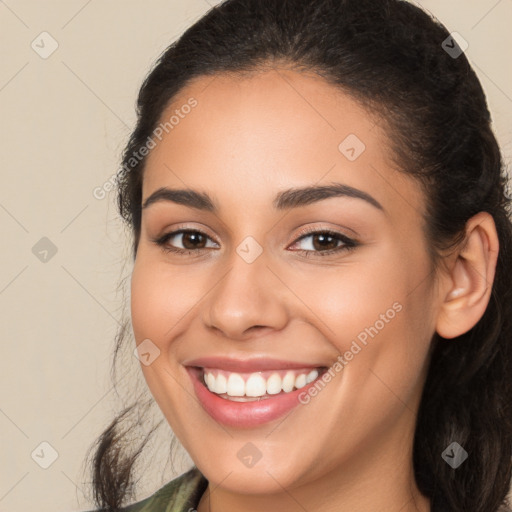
288 382
255 385
210 380
234 385
300 381
274 384
312 375
221 384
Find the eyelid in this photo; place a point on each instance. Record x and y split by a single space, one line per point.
313 229
348 242
203 230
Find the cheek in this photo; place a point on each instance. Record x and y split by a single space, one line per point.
350 298
146 302
376 312
160 301
159 306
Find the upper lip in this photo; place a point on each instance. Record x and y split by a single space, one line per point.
247 365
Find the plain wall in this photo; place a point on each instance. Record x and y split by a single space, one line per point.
64 122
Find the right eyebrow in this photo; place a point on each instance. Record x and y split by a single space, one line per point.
187 197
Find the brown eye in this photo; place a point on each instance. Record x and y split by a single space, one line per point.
323 243
193 240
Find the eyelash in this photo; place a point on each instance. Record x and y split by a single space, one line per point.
348 243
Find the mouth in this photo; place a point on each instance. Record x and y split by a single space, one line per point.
247 399
262 385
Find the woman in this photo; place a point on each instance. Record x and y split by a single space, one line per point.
320 295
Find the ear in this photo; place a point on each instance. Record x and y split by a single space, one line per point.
468 284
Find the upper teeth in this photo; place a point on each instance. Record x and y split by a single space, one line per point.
256 384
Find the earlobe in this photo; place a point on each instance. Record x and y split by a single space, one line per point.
470 279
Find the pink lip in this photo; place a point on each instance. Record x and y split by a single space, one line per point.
244 414
247 365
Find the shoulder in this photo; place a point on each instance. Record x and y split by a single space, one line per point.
179 495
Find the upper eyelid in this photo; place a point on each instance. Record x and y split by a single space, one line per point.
180 229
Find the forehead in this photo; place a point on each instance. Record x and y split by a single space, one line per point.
249 135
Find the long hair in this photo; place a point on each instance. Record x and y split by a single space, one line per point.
392 58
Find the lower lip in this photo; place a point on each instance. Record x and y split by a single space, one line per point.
244 414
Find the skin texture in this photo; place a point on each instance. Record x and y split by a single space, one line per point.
248 138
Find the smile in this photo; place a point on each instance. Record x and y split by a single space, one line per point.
248 394
258 385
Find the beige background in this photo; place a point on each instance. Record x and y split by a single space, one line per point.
64 121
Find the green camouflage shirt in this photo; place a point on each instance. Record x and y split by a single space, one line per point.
184 492
180 495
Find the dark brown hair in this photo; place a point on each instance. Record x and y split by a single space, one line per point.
389 56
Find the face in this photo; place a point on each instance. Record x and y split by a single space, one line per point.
311 314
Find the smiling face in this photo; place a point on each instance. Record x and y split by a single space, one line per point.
354 294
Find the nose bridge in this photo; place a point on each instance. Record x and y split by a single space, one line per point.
247 295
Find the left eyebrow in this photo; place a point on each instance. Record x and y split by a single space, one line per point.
284 200
295 197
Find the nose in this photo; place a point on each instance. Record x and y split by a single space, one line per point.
249 300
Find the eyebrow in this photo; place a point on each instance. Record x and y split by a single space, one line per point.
284 200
